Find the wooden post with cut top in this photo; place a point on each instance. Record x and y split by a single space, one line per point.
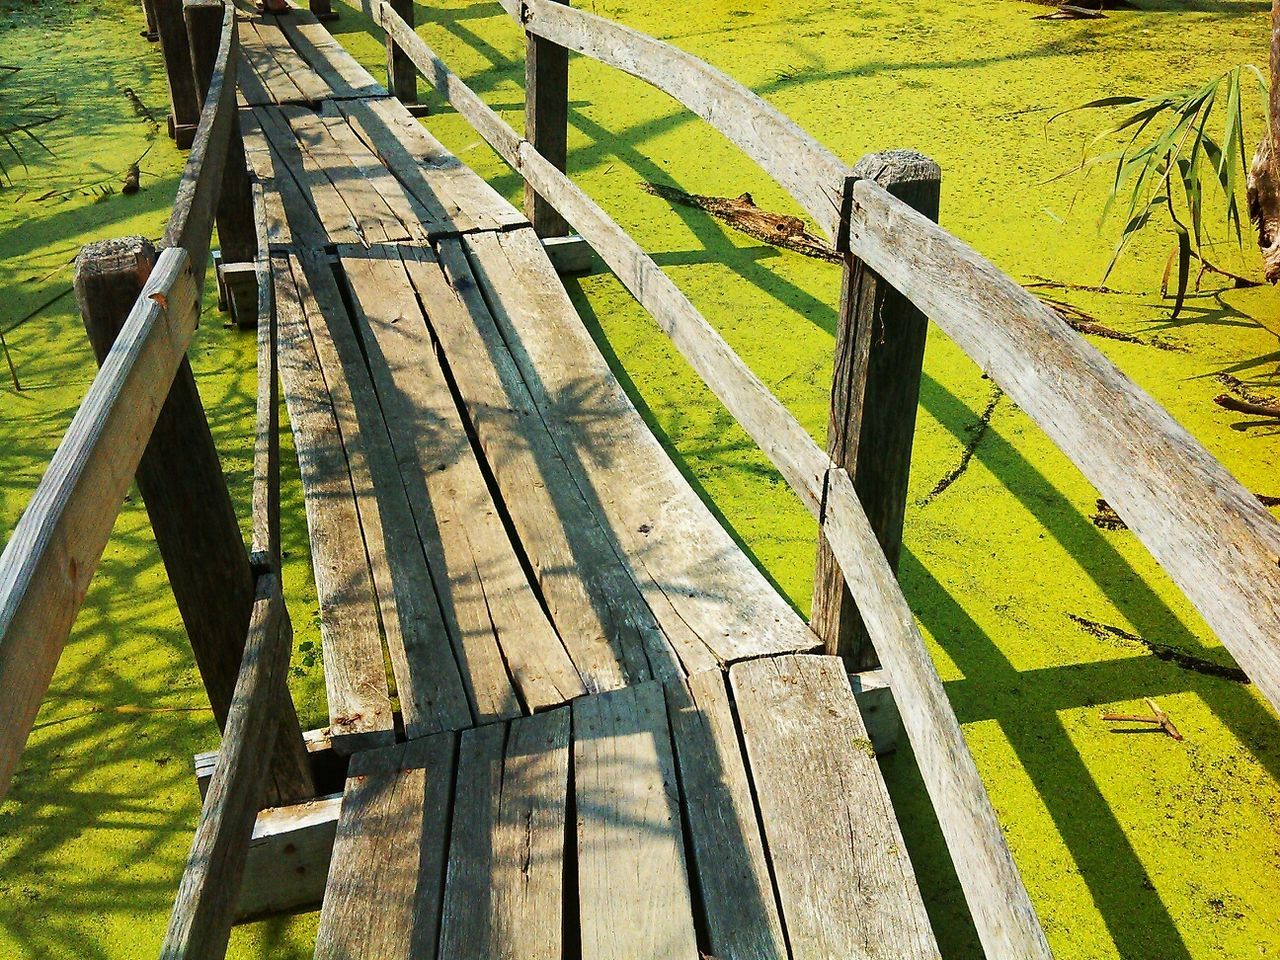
194 522
879 353
546 119
402 75
236 231
184 102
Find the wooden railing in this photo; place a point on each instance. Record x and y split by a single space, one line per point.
142 417
1210 534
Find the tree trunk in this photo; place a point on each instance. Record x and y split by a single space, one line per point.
1264 172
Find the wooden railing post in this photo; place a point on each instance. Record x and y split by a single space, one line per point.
184 103
186 495
546 122
402 77
237 286
879 353
152 32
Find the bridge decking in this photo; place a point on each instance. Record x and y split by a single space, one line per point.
501 547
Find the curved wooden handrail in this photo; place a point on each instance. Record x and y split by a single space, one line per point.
56 545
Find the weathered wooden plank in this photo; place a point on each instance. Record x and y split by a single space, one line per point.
846 886
417 160
418 222
184 104
354 669
546 122
694 577
266 81
633 891
467 926
387 875
504 892
326 56
1212 536
290 216
593 601
200 925
402 81
271 39
346 203
733 880
803 167
265 507
1002 911
500 632
191 221
428 685
879 354
54 548
287 863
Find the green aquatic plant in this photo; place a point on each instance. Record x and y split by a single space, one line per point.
19 123
1171 162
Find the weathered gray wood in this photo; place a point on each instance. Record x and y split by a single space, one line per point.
206 20
54 548
428 684
386 879
846 886
192 518
204 911
184 104
570 255
265 549
801 165
402 79
711 601
633 891
311 87
265 81
327 57
354 669
191 221
546 119
287 863
495 622
603 620
879 354
874 696
290 216
1002 912
733 881
458 199
1212 536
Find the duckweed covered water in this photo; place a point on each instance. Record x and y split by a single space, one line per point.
1132 846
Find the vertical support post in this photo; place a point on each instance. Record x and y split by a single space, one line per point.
184 105
880 338
323 10
546 120
236 231
402 76
186 495
152 32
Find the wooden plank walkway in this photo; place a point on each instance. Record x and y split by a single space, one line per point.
582 723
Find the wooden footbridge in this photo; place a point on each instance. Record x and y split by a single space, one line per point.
568 717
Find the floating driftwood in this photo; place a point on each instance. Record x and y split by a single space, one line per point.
741 213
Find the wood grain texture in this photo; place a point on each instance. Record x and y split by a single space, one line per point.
55 547
546 122
387 875
733 880
500 633
599 613
196 201
710 600
1002 912
184 104
327 57
429 686
879 355
354 670
846 886
290 216
633 891
265 507
287 864
200 925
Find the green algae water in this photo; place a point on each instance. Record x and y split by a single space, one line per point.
1132 846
